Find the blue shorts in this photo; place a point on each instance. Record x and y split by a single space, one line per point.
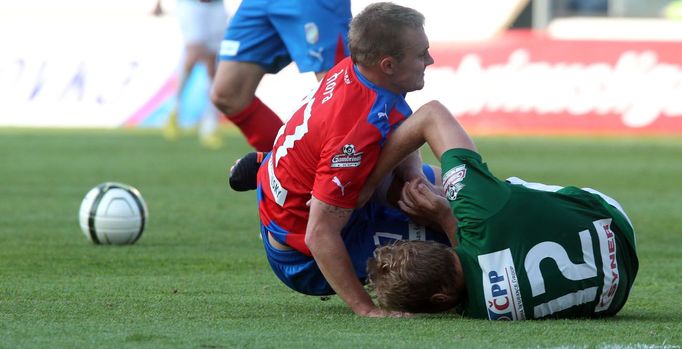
369 227
272 33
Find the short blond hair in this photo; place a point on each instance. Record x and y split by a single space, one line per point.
406 274
377 30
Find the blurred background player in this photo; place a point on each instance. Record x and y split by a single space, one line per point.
202 23
264 37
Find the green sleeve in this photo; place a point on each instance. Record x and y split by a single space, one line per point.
474 193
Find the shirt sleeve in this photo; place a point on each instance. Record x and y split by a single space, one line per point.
473 192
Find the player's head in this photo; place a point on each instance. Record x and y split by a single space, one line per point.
392 38
415 276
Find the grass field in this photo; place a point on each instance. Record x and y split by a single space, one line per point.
198 277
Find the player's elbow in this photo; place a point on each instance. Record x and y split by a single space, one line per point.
433 104
435 109
312 240
435 115
316 240
430 114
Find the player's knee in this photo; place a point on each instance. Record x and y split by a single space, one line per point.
227 100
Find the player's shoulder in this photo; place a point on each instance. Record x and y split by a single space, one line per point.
343 94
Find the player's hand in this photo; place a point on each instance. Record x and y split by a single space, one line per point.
423 201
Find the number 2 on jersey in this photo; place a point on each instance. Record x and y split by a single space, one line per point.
575 272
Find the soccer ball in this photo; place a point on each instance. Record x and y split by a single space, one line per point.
113 214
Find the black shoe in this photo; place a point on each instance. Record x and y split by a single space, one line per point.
243 173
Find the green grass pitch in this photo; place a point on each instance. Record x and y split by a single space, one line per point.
198 277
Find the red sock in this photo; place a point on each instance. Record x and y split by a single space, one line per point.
259 124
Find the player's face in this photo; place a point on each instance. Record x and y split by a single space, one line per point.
410 70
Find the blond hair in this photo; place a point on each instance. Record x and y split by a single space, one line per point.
377 32
405 276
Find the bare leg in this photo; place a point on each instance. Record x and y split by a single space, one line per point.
192 55
208 126
235 85
234 95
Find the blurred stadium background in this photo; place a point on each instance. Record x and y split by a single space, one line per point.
502 66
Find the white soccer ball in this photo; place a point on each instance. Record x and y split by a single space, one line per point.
113 214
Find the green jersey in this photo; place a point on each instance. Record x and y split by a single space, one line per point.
532 251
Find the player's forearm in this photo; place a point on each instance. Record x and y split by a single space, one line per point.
411 167
334 262
432 124
323 238
400 145
448 224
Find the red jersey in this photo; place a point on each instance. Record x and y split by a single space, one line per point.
327 149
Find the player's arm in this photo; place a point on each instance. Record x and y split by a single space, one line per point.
411 167
323 238
432 124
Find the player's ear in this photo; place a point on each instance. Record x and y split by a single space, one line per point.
387 65
439 298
